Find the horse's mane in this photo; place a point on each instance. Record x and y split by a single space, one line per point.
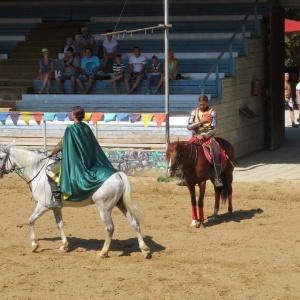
27 157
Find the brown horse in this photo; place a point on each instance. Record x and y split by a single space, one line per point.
191 159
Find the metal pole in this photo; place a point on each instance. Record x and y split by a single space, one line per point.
166 73
45 139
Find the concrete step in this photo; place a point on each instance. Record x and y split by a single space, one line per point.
10 95
36 54
20 68
18 75
7 105
14 89
19 62
43 43
20 82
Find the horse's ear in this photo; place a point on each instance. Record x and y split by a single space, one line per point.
168 141
12 144
177 140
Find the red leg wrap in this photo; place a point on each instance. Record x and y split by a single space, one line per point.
194 212
201 214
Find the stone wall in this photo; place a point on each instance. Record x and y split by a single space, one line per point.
246 134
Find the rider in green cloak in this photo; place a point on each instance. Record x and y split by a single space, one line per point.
84 166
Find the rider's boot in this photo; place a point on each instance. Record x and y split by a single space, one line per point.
57 203
181 182
218 170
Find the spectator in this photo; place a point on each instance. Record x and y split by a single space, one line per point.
85 40
156 74
46 71
118 69
71 64
110 47
69 43
90 65
173 70
136 70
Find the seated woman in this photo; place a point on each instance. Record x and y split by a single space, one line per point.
173 71
46 71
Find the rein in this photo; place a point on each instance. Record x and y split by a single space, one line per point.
19 169
175 166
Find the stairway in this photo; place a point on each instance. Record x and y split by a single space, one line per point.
21 68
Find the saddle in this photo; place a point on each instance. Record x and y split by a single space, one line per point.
208 150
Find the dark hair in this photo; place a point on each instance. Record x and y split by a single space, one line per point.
118 55
154 57
88 48
70 49
108 31
78 113
136 47
203 98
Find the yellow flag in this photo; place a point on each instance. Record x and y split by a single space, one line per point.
26 116
87 117
147 119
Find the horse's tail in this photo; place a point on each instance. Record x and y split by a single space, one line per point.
224 191
127 198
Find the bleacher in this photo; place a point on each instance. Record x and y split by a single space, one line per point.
197 36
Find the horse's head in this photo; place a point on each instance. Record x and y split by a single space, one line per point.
6 164
173 157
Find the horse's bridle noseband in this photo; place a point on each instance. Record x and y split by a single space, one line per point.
175 166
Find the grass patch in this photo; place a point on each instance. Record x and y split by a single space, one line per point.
167 179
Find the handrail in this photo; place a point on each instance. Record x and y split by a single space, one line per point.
228 45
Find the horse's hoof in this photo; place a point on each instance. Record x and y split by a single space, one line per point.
102 255
215 213
195 224
34 247
63 248
147 254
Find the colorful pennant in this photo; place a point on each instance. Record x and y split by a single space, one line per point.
147 119
25 116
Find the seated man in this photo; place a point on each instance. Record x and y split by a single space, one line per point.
203 124
84 41
82 157
90 65
136 70
71 64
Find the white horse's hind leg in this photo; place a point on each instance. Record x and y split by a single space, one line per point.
39 211
109 228
60 225
136 226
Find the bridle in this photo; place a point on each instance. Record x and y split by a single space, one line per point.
18 170
175 166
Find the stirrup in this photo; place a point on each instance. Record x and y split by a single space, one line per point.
55 204
181 182
218 182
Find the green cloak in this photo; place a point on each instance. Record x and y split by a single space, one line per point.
84 166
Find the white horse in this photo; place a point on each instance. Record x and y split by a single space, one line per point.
115 191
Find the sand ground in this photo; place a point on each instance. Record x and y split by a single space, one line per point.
251 254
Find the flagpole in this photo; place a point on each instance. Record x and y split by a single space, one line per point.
166 73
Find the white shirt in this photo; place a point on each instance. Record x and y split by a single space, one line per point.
110 45
137 62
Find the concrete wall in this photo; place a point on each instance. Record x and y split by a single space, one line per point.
247 135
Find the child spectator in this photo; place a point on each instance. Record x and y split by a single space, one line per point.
118 69
156 74
69 44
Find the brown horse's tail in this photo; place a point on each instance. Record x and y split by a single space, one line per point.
224 189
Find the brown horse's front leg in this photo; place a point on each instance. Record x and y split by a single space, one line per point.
202 187
195 221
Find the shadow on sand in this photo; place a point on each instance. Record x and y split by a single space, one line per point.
236 216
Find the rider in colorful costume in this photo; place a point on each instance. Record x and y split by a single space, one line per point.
84 166
203 124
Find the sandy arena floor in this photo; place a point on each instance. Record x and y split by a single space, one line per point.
251 254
